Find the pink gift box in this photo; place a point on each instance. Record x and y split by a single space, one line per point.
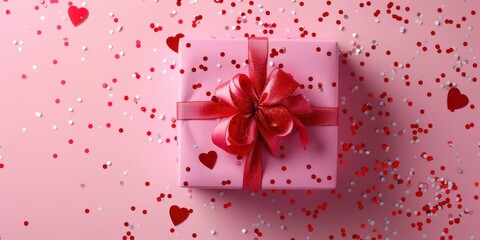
207 63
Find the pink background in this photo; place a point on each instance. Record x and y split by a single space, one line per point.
391 172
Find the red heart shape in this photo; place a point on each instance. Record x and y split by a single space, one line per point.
173 42
77 15
456 99
178 215
208 159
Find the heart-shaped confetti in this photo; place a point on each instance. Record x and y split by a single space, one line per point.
178 215
208 159
87 69
173 42
456 99
77 15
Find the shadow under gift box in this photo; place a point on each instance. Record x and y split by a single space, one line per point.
207 63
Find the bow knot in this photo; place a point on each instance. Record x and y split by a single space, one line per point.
259 116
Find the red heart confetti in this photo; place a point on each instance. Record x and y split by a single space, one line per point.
456 100
174 41
208 159
77 15
388 119
178 215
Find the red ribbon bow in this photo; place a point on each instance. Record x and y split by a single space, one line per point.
257 109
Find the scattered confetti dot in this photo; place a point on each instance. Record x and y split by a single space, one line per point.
404 164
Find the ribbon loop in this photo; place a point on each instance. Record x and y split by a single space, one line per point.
280 85
242 93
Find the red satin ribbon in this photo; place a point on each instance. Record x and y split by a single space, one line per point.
255 110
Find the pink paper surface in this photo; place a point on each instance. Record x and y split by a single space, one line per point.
408 167
313 168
